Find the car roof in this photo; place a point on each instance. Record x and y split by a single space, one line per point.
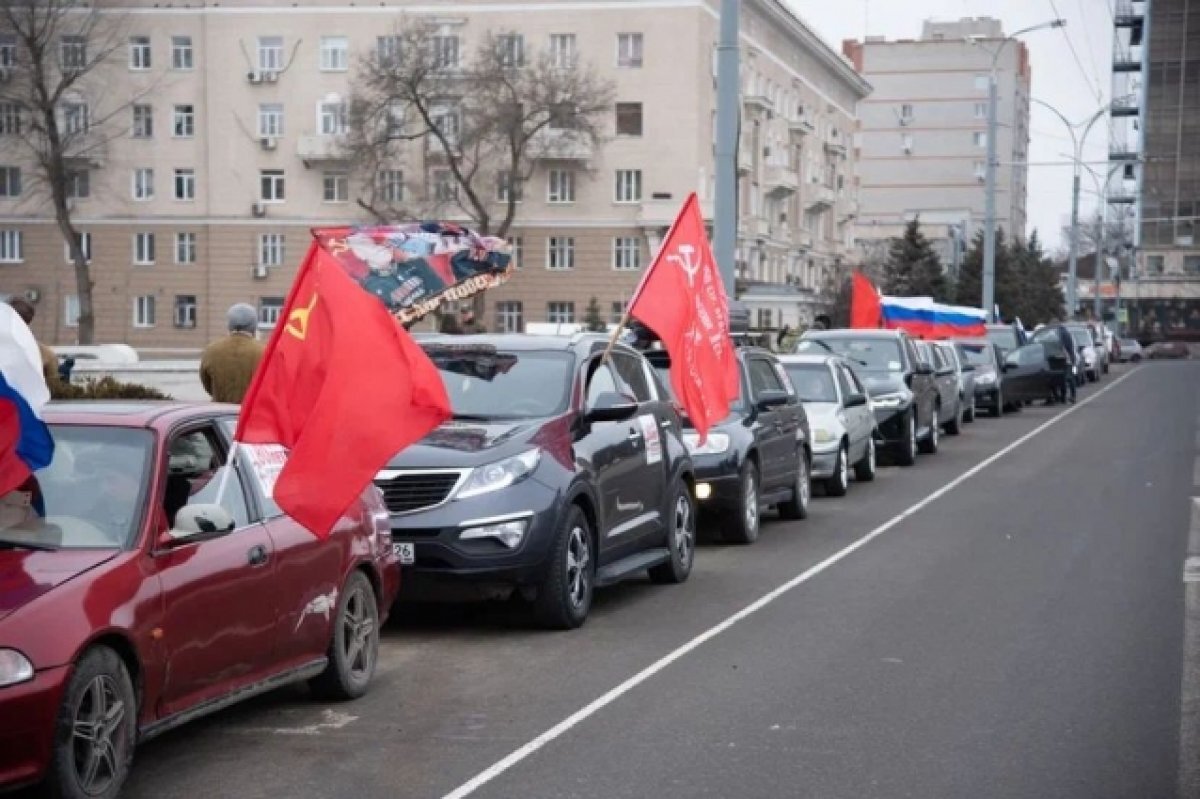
522 342
848 332
150 414
812 358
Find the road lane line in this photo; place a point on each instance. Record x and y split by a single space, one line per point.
558 730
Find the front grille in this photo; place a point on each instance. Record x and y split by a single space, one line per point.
413 491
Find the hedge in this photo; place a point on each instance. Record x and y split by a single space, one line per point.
102 389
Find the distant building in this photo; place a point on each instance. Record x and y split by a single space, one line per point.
923 133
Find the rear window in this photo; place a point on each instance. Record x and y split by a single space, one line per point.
485 383
813 382
978 354
872 354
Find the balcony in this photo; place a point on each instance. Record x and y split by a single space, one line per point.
801 127
1127 59
1129 12
1123 152
754 228
662 213
1127 106
555 144
758 102
88 150
837 148
818 197
781 181
321 149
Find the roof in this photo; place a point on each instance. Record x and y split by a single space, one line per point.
818 358
125 413
851 333
521 342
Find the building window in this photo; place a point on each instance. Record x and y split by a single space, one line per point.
629 186
71 310
1155 264
79 184
1191 264
510 50
11 250
980 170
388 49
185 121
906 142
395 121
560 313
10 119
185 248
560 252
617 314
76 119
765 321
269 311
10 181
72 52
979 138
271 186
143 311
143 184
981 110
85 244
627 253
139 53
629 50
518 250
906 112
143 122
143 249
335 54
185 184
391 185
981 83
185 310
507 186
8 50
270 249
270 120
445 51
181 52
332 117
444 187
629 119
562 50
509 317
270 53
561 186
446 120
336 187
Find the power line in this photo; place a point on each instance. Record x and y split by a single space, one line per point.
1075 53
1087 39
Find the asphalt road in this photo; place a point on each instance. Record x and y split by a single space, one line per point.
1019 634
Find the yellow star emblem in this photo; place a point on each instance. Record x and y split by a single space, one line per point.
297 321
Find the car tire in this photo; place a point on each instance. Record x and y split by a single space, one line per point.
681 539
354 645
998 408
742 526
564 596
969 414
839 484
954 426
929 444
906 454
96 729
797 506
864 470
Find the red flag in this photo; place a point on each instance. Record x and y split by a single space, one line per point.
681 299
865 310
341 385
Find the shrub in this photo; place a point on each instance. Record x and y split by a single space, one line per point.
103 388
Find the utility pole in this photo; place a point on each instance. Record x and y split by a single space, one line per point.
728 117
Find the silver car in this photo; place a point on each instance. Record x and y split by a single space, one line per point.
952 352
840 418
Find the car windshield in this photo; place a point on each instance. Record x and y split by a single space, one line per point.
978 354
1081 336
90 496
871 354
1005 337
484 383
813 381
663 370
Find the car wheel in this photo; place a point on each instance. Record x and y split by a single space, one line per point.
954 426
998 408
681 539
565 594
907 454
742 526
354 648
969 414
837 485
96 729
864 470
797 506
930 444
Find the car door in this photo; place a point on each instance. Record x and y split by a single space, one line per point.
921 382
774 428
859 418
947 381
1023 373
219 616
649 484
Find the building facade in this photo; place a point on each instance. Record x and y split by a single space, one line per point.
222 154
923 133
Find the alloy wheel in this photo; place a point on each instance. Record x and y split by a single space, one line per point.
579 555
750 500
803 483
871 454
844 467
358 633
684 531
99 748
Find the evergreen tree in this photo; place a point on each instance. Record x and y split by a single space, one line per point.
1042 296
593 320
913 268
969 290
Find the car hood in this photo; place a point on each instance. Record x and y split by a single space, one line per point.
463 443
878 383
26 574
823 415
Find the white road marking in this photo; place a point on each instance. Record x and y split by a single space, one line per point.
558 730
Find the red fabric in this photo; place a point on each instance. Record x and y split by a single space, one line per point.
341 385
865 310
681 299
13 470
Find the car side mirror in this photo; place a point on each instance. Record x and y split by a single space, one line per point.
855 400
612 407
769 399
200 521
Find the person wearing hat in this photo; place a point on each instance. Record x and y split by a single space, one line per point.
228 364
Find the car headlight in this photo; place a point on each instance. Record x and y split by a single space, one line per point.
893 400
986 379
822 436
501 474
507 531
14 668
715 445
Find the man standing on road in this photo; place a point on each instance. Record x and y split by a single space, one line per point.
228 364
1060 353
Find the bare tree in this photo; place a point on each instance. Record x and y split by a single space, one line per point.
51 81
1116 232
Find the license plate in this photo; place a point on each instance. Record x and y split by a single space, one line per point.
407 553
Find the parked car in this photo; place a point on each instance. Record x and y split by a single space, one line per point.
945 377
1100 344
902 392
760 455
1027 375
953 352
1131 350
1168 349
839 416
135 604
1089 363
558 474
1007 336
985 356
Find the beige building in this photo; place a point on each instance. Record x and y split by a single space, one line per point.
923 132
213 176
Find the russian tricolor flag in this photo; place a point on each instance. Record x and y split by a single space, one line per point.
25 441
924 318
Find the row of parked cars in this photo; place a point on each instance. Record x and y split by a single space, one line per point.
131 603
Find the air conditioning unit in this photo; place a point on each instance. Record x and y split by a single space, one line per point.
270 77
268 142
254 76
260 271
258 209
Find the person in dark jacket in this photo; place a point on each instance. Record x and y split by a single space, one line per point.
1061 355
228 364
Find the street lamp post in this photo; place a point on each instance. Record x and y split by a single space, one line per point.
1102 245
728 114
989 238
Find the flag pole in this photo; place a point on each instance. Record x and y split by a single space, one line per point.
616 334
230 465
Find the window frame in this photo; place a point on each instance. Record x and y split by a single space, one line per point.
145 248
568 306
11 183
559 248
276 179
269 52
628 107
557 194
274 245
636 58
626 254
184 177
187 242
270 120
141 58
335 180
142 189
183 117
194 307
142 126
182 45
333 58
143 307
628 186
12 246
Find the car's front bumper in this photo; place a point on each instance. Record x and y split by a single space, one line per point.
29 711
824 463
987 396
718 480
892 424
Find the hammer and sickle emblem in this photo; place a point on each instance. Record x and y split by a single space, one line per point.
683 257
297 321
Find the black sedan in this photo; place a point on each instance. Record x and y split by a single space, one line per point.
988 361
559 473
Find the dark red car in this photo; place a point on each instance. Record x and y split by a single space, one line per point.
130 604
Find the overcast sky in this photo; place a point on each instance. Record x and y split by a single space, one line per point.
1057 78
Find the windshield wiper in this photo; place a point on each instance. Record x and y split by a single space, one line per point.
8 543
471 417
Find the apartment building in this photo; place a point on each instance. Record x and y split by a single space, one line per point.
226 155
923 132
